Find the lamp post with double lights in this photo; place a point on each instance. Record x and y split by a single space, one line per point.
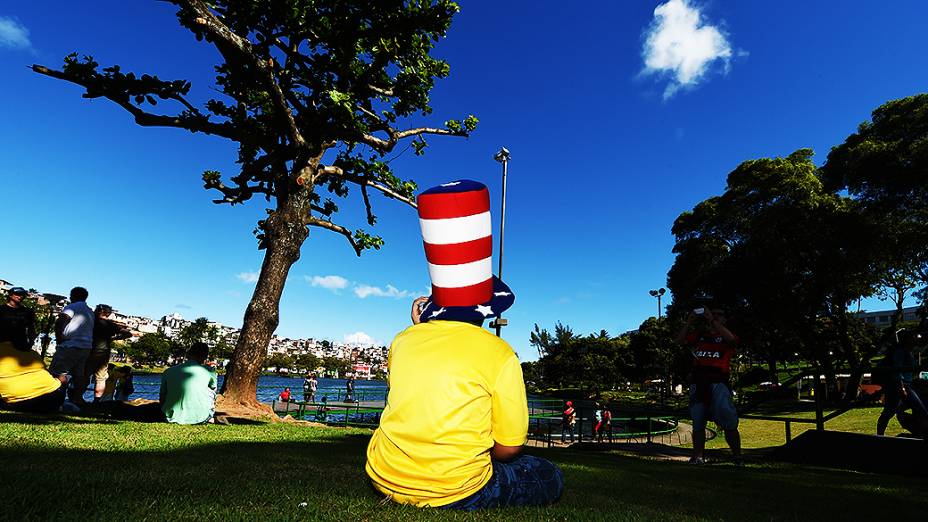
502 157
658 293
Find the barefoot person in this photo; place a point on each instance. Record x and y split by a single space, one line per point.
712 346
456 418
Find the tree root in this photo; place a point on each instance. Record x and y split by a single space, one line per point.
250 410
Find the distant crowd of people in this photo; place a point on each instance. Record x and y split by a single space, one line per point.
84 339
311 385
602 423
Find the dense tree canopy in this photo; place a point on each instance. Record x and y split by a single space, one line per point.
599 362
779 251
884 167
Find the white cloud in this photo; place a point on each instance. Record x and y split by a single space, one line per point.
13 34
329 282
359 338
679 44
364 291
248 277
361 290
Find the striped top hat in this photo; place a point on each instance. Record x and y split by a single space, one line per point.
456 231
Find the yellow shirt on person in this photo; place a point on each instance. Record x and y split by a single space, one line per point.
455 388
23 375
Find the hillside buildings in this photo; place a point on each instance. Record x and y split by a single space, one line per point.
364 360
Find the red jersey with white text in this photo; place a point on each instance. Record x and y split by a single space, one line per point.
711 357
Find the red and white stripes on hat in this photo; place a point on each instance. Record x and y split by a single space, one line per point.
456 230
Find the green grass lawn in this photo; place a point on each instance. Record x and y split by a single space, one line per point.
75 468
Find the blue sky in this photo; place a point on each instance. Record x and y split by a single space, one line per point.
619 116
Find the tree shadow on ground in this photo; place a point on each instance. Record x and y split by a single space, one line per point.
321 477
49 419
764 490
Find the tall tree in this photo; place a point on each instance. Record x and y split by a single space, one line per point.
314 93
884 166
780 251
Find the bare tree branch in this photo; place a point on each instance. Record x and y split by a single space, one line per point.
371 220
428 130
387 145
331 170
321 223
382 92
235 195
195 122
390 193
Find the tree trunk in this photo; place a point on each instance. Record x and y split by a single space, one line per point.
284 234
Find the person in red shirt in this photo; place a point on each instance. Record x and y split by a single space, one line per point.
712 346
285 395
568 420
605 425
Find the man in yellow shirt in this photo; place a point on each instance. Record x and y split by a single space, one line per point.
456 418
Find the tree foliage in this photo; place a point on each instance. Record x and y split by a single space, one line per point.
199 331
884 167
317 94
786 256
153 349
598 361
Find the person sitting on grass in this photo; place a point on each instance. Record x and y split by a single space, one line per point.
456 416
25 384
188 390
126 387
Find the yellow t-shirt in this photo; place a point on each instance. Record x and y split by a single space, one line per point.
454 389
23 375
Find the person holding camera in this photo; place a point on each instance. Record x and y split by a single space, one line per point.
712 346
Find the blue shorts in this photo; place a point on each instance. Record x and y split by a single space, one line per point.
720 408
524 481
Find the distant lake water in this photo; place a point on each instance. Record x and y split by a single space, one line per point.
147 386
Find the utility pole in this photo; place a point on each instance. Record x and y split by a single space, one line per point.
502 157
658 293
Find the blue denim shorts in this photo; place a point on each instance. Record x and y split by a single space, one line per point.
720 408
524 481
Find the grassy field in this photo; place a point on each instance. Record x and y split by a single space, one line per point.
765 434
65 467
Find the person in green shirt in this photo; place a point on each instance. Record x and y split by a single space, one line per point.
188 390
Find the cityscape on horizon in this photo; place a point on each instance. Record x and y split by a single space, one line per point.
367 359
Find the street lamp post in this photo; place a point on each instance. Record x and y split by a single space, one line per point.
658 293
502 157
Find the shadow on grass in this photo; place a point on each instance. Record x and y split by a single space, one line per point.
49 419
294 472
